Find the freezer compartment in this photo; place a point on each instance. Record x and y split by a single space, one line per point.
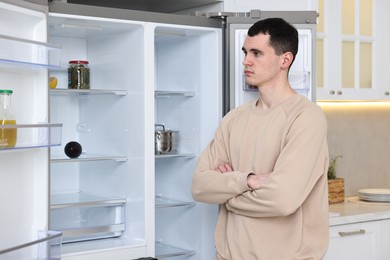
46 246
82 216
31 135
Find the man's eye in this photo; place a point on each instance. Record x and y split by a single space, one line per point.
256 53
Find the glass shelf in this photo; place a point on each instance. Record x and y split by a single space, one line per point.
21 52
162 202
166 251
172 155
82 199
89 91
33 136
61 158
167 94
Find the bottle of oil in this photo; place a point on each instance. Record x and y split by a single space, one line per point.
7 133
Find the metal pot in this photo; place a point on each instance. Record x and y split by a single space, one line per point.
165 141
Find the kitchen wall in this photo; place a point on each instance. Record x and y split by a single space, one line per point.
360 132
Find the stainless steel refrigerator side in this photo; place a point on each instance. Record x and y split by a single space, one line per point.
133 15
300 19
170 6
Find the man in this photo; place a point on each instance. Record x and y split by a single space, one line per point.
267 163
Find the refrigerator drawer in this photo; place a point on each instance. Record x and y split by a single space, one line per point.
83 217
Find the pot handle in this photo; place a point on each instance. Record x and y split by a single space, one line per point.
159 125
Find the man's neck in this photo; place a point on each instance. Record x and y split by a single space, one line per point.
270 96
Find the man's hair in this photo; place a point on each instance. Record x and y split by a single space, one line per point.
283 36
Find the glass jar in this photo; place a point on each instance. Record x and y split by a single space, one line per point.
7 134
78 74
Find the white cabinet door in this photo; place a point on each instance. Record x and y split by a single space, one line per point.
346 94
385 239
360 241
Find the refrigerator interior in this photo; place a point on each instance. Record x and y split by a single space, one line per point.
101 194
187 100
24 169
301 72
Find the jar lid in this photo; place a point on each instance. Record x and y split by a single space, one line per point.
6 91
78 62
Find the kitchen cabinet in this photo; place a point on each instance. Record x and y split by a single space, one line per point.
351 52
358 241
385 239
340 93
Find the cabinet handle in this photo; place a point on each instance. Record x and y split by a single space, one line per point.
351 233
387 93
339 92
332 92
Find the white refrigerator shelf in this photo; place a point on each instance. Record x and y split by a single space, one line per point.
32 136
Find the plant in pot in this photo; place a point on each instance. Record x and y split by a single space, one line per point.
335 184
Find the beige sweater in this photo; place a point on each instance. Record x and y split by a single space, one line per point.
287 218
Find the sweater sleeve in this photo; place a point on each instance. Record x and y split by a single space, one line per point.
209 185
303 160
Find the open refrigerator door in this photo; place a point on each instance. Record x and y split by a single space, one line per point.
119 199
24 185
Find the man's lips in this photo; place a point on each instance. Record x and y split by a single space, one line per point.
248 72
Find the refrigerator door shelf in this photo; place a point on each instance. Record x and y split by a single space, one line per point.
34 135
27 53
46 246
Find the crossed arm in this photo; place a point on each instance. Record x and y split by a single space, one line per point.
254 181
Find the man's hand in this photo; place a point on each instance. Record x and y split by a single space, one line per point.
222 168
255 181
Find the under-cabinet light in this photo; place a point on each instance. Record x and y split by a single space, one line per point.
353 103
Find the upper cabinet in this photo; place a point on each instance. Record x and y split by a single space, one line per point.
349 57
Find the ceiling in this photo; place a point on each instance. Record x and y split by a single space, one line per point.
161 6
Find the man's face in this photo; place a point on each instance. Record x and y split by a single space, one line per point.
262 65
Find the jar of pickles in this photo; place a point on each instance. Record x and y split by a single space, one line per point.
7 120
78 74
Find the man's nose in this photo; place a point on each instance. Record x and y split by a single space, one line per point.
246 60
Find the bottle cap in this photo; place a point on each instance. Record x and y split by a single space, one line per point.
6 91
78 62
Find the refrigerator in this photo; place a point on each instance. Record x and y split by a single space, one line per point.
120 199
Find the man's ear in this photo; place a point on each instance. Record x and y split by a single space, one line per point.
286 60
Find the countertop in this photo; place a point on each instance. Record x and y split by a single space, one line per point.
352 210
